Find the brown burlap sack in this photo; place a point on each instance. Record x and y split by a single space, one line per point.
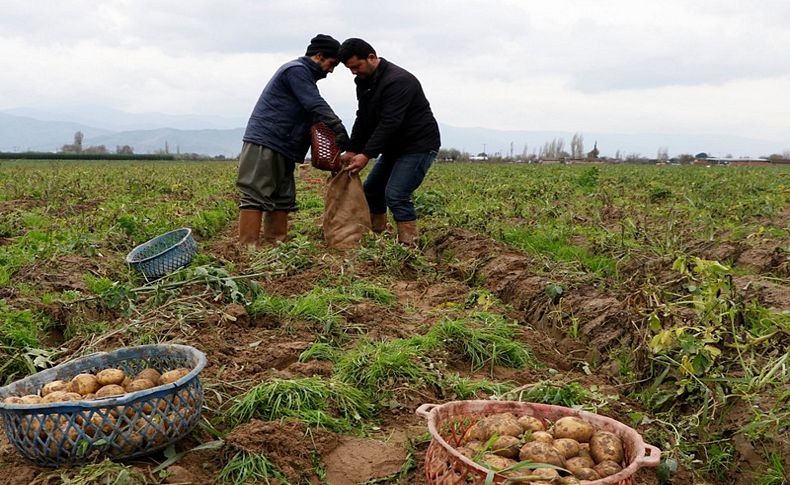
346 213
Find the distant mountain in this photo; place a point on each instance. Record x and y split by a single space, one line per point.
197 134
19 133
117 120
204 142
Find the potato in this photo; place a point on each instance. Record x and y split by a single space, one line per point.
110 390
507 446
569 480
475 446
72 396
545 474
538 475
542 437
467 452
149 433
139 384
606 446
573 427
531 423
586 474
539 452
108 377
84 384
152 375
497 462
567 447
477 432
503 424
134 441
173 375
30 399
573 464
54 396
13 400
89 396
607 467
53 386
97 422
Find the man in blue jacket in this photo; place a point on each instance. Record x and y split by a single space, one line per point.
394 123
278 137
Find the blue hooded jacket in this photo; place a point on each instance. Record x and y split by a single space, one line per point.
289 104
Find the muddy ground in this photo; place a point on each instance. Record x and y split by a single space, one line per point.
243 351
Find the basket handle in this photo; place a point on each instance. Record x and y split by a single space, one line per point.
425 410
651 460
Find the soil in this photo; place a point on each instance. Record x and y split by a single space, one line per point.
288 444
244 351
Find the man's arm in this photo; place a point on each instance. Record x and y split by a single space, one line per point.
304 88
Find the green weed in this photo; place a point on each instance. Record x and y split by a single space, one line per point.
19 328
384 366
774 473
485 339
96 284
103 473
568 394
466 388
246 467
332 404
719 459
320 351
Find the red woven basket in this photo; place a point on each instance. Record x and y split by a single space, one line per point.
324 153
448 422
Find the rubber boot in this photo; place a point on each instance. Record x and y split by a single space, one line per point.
378 222
407 233
275 227
249 227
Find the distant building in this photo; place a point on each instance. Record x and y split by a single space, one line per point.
735 162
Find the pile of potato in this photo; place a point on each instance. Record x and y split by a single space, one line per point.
106 383
133 432
501 440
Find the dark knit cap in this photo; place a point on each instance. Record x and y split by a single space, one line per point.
324 44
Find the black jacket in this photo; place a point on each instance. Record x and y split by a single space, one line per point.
394 117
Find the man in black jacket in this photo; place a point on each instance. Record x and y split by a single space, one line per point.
394 123
277 138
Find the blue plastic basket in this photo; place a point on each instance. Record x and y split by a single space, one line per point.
164 254
128 426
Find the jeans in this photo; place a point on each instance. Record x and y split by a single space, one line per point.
392 181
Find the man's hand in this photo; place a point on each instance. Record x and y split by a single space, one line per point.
357 163
346 156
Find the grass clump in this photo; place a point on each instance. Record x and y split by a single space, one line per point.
485 339
383 366
774 473
362 289
19 328
320 305
330 404
320 351
568 394
313 307
247 467
465 388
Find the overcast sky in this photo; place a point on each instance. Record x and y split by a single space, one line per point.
626 66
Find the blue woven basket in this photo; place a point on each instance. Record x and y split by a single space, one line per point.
128 426
164 254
